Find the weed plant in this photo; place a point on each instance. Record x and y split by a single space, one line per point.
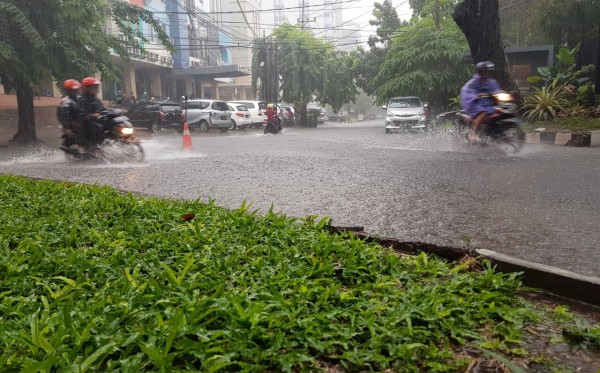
95 280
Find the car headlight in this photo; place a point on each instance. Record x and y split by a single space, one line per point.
127 131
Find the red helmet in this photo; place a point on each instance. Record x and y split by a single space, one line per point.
90 81
71 84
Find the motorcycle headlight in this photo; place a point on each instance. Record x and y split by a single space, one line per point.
503 97
127 131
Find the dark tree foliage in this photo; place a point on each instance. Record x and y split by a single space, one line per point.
387 22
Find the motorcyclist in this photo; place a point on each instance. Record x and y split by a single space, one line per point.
475 98
69 115
271 116
91 108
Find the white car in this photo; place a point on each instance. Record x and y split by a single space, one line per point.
240 117
207 114
256 108
405 114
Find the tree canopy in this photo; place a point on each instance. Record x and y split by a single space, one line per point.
426 61
387 22
61 39
307 69
367 63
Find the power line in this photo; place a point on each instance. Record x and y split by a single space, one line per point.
262 10
345 36
216 46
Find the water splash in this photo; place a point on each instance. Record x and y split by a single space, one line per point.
168 148
36 155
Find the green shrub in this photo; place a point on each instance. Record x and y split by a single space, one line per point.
455 103
544 103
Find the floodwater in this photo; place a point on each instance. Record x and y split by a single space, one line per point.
541 205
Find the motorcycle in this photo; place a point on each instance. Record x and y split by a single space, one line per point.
123 101
273 128
502 128
288 119
114 140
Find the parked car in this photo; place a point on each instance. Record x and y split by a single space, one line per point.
156 115
334 117
256 109
405 114
207 114
240 117
289 108
322 118
319 112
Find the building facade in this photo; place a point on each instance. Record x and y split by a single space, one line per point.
202 53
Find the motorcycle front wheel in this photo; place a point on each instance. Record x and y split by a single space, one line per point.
512 139
122 150
136 152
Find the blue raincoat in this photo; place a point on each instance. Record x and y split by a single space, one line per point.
471 90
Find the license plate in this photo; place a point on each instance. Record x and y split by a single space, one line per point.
223 117
247 115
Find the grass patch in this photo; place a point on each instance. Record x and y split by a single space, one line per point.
571 123
94 280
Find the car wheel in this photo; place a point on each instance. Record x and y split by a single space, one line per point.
204 127
224 129
258 125
387 130
154 127
233 125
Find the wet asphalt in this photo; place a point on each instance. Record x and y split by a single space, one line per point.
541 205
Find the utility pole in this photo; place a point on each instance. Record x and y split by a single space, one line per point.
276 80
302 18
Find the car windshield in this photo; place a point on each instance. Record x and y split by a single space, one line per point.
248 105
170 107
404 102
241 108
219 105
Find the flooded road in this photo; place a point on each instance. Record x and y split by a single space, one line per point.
542 205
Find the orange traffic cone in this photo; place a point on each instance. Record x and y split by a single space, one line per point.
187 139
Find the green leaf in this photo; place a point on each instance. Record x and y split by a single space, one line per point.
507 363
92 359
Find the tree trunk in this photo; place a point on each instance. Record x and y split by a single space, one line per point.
303 111
480 22
26 132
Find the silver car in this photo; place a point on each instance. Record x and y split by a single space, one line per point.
207 114
405 114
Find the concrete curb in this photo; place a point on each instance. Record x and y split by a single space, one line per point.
564 138
554 280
